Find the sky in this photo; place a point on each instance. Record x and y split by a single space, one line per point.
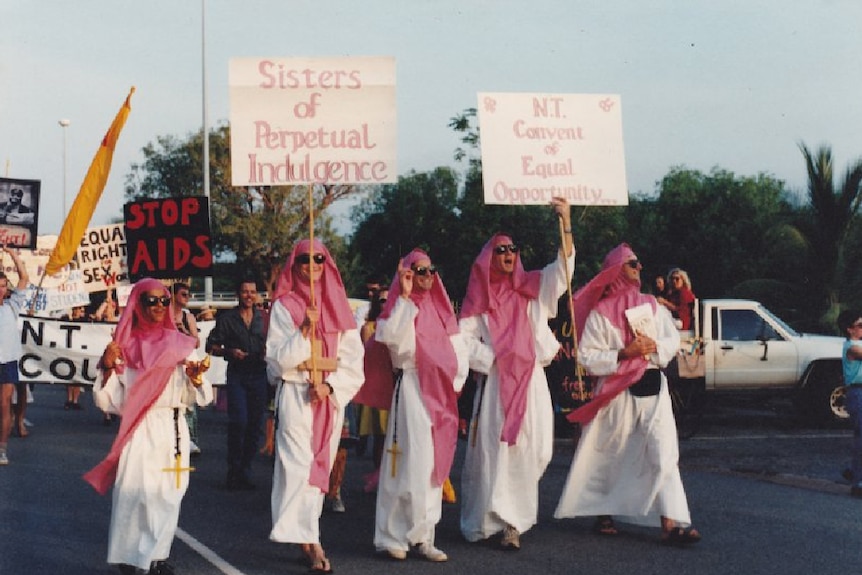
737 84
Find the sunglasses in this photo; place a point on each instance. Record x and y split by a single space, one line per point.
511 248
18 193
633 264
304 259
153 300
423 271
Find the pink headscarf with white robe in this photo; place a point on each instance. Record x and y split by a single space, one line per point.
154 351
330 297
610 293
436 362
504 299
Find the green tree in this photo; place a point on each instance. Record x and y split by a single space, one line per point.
257 226
832 212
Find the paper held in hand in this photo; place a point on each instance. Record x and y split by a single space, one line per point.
642 321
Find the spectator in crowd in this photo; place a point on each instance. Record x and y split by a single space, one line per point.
149 374
850 325
12 303
315 351
680 300
239 336
73 392
504 319
187 324
626 462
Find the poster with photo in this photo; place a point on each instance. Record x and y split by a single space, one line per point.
19 212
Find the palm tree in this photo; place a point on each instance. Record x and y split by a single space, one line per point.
832 214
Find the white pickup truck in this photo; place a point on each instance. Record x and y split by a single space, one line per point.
740 346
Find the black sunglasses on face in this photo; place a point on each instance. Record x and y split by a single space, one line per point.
304 259
18 193
423 271
633 264
511 248
154 300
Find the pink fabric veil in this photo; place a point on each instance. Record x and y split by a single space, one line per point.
154 350
330 297
504 299
610 294
435 361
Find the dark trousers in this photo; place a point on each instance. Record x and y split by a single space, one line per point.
246 404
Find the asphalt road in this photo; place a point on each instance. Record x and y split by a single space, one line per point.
766 494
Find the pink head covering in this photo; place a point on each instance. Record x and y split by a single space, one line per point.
610 293
294 293
435 361
504 298
153 350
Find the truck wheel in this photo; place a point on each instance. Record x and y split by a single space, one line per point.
823 399
686 396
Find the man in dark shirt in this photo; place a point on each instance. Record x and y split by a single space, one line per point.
240 337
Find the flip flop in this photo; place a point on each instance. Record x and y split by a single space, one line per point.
679 537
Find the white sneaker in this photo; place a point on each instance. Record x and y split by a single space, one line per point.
431 553
4 460
398 554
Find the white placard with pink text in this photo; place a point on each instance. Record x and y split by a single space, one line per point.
312 120
539 146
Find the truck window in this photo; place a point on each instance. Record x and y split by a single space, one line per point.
745 325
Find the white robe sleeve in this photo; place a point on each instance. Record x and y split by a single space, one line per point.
398 333
479 351
285 346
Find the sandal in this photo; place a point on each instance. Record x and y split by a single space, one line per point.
679 537
604 525
321 565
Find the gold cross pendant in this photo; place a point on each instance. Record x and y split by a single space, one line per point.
178 468
395 452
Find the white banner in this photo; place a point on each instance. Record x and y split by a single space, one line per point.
539 146
312 120
58 351
62 297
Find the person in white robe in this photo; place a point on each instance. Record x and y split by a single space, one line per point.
309 304
625 466
150 375
504 320
419 328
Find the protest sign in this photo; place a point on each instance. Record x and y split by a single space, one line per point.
101 257
312 120
168 238
539 146
60 297
19 212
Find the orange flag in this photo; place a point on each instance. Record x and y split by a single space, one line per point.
91 190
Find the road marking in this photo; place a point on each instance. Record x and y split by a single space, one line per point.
208 554
768 436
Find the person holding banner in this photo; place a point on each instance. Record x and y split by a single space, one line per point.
315 353
420 331
12 303
626 462
149 376
504 319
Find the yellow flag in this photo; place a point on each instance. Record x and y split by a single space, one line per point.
91 190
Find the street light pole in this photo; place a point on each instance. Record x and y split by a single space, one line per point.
64 123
